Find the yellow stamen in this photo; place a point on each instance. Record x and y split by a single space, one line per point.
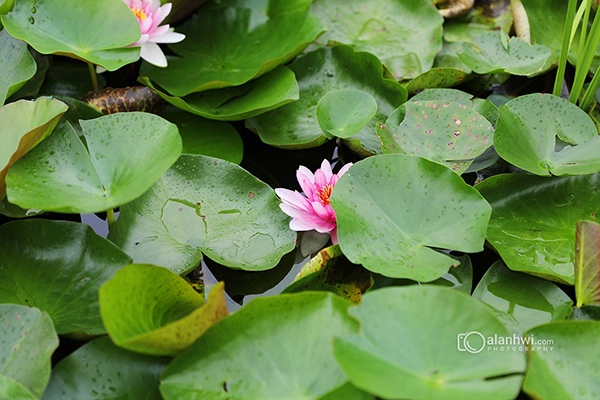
324 194
141 14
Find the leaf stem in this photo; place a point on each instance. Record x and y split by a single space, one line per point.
93 75
564 52
110 217
584 60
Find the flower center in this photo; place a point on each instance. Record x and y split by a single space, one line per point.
139 13
324 194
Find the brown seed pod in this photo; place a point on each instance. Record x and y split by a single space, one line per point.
135 98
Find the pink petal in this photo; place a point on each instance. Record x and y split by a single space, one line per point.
169 37
321 179
302 170
307 186
326 168
161 30
294 199
334 236
153 54
140 42
321 226
344 169
322 211
145 25
159 15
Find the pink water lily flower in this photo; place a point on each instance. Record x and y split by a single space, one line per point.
150 14
312 210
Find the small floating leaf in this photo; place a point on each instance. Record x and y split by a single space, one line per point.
343 113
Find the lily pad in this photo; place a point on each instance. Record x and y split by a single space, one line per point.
206 137
564 364
344 113
298 328
488 54
101 370
393 210
244 44
534 220
531 301
405 36
66 175
414 341
27 341
58 267
441 77
24 125
443 131
97 32
267 7
319 72
547 135
151 310
17 65
587 263
272 90
205 205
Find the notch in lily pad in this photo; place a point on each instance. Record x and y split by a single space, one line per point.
343 113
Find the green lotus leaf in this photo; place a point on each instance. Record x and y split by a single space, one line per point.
99 369
17 65
66 175
531 301
97 32
416 342
405 36
266 7
58 267
271 90
344 113
24 125
587 263
443 131
547 135
489 54
534 220
441 77
244 44
27 341
393 210
319 72
563 365
297 328
151 310
206 137
205 205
